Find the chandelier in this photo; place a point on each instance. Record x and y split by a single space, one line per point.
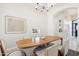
43 6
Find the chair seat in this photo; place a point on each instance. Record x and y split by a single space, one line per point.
16 53
60 47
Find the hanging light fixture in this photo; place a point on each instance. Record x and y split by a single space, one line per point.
43 6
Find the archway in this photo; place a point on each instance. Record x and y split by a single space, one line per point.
67 25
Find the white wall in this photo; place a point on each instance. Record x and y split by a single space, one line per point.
35 19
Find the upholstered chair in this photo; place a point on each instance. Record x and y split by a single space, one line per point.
10 52
52 50
63 49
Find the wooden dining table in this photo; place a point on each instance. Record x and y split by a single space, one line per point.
28 43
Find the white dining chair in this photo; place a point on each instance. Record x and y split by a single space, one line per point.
64 47
10 52
52 50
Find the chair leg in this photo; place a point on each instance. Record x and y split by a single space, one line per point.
60 53
34 53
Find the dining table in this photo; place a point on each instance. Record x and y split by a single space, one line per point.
28 43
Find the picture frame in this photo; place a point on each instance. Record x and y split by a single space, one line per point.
15 24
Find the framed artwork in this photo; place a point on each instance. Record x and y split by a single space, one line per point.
15 24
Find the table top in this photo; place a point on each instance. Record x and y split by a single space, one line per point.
27 43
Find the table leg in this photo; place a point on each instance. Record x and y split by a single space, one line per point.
61 41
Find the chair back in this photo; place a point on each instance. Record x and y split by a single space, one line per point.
66 46
52 50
